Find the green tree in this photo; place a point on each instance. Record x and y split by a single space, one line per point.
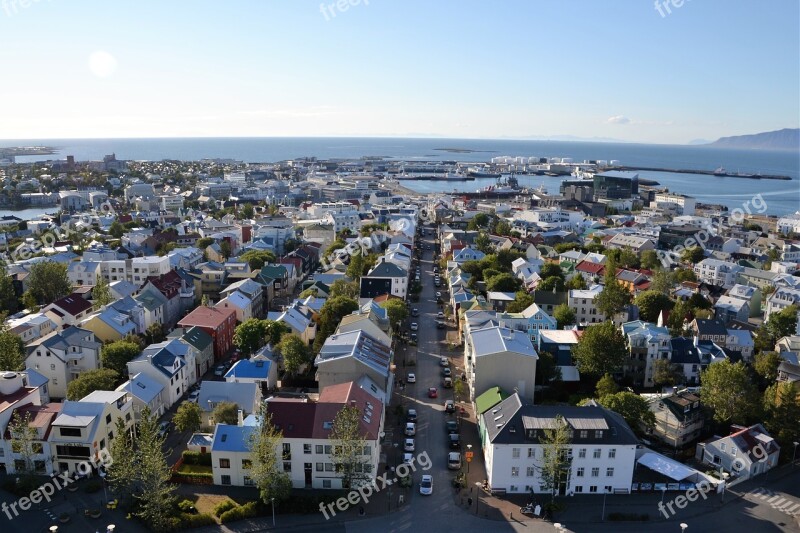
678 318
503 228
295 352
628 259
123 471
335 245
484 243
606 386
783 323
225 413
600 349
766 365
204 243
547 370
522 301
782 404
698 301
154 333
348 448
355 269
614 297
552 283
729 392
155 494
117 230
12 349
89 381
248 212
8 296
693 255
502 283
101 293
48 281
396 310
633 408
662 281
267 465
347 289
250 335
564 315
480 220
257 258
555 464
566 246
29 302
651 303
650 260
225 249
684 274
116 355
576 282
188 417
549 270
275 330
24 443
331 313
666 374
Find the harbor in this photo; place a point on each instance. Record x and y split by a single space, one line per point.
720 173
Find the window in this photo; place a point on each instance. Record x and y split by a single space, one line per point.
224 463
609 472
328 449
722 446
596 454
367 450
530 471
319 467
318 448
584 434
108 418
598 434
127 417
579 489
326 483
307 448
595 471
515 453
329 467
287 466
733 451
287 451
580 471
248 482
514 471
532 453
226 480
612 453
593 488
582 453
70 432
247 464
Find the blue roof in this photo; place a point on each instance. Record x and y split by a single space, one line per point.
249 369
228 438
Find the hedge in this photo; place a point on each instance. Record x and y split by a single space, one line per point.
189 521
193 479
225 505
196 458
248 510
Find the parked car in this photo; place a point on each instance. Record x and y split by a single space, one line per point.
194 396
454 440
414 337
440 324
435 270
414 326
408 445
444 361
449 406
220 371
426 485
440 315
411 415
408 458
415 312
451 426
164 429
447 382
438 295
433 393
446 373
453 460
412 378
411 429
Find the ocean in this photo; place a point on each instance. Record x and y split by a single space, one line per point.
782 197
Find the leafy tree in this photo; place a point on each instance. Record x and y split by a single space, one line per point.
266 470
348 448
698 301
505 258
650 260
396 310
117 230
155 494
250 335
331 313
484 243
275 330
766 365
693 255
48 281
91 380
606 386
502 283
662 281
576 282
633 408
257 258
614 297
503 228
8 296
116 355
628 259
356 267
24 443
480 220
311 291
782 404
335 245
729 392
522 301
684 274
29 302
566 246
490 272
600 349
295 352
783 323
680 314
547 371
651 303
225 249
551 283
549 270
555 464
12 349
204 243
188 417
347 289
154 333
247 211
101 293
564 315
665 373
225 413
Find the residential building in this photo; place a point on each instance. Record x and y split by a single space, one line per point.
61 356
679 418
647 344
146 392
384 275
500 357
218 323
347 356
716 272
747 451
246 396
583 305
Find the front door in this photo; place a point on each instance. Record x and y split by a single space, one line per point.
307 468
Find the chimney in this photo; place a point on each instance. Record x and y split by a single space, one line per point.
352 403
240 415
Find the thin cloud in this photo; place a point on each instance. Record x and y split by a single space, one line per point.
619 119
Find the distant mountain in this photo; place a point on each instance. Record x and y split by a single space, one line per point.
785 139
694 142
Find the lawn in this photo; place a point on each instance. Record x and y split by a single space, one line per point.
194 469
206 502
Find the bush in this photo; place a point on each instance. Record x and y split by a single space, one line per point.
93 486
189 521
197 478
25 486
248 510
196 458
186 506
224 506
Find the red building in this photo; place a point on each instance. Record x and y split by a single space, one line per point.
219 323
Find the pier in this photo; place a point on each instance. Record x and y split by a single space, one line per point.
706 173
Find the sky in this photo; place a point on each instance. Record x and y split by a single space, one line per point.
666 72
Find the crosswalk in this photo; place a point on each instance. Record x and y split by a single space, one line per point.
776 501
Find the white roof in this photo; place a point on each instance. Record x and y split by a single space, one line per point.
496 340
666 466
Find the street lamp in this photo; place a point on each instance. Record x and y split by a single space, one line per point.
684 525
103 475
663 492
272 500
794 453
603 517
469 449
53 529
111 528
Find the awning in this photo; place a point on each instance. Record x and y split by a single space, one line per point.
666 466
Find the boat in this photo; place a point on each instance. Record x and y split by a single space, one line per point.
719 171
479 173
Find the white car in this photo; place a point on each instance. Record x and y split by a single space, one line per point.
426 486
194 396
440 315
408 445
438 295
408 458
414 326
411 429
412 378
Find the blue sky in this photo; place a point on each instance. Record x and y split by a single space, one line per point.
490 69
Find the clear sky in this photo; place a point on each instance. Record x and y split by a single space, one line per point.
618 69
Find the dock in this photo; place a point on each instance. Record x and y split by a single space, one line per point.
706 173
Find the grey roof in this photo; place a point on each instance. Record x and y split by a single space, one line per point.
242 394
142 387
359 345
387 270
497 340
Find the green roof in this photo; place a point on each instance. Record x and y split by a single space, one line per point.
489 399
274 271
197 338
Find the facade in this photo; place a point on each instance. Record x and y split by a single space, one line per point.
679 418
218 323
500 357
582 304
61 356
716 272
397 277
747 451
647 344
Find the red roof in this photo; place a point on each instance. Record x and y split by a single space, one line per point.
167 284
207 317
74 304
590 267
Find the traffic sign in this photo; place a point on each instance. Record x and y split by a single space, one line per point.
468 455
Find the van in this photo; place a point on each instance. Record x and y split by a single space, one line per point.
453 460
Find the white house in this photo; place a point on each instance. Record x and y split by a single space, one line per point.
500 357
716 272
747 451
583 305
61 356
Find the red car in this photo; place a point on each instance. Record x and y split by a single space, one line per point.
433 393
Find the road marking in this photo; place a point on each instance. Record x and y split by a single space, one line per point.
776 501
